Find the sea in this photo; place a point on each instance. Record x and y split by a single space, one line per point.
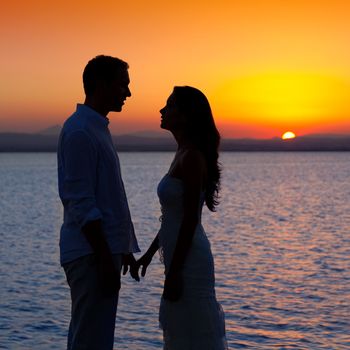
280 239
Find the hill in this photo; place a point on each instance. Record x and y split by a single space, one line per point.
46 141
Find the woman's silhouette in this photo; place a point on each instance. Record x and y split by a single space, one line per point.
190 316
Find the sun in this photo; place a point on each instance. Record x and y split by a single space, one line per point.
288 135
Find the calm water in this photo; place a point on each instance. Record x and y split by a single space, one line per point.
280 239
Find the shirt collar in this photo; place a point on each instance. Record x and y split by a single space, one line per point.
92 114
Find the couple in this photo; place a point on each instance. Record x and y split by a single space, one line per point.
97 237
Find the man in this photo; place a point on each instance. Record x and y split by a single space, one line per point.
97 235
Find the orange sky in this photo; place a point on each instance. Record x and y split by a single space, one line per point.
267 66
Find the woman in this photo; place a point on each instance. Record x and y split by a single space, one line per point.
190 316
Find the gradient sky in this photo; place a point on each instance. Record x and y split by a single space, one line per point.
267 66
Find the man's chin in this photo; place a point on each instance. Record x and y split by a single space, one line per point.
117 108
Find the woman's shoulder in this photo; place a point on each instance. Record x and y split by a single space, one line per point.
193 164
193 156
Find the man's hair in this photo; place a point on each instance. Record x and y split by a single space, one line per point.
102 68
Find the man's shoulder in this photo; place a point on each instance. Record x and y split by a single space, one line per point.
74 127
76 123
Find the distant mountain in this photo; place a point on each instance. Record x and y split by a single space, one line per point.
149 134
326 136
134 142
46 141
20 142
52 130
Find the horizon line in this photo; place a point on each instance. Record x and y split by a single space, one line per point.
138 133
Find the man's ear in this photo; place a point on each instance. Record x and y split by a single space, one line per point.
101 88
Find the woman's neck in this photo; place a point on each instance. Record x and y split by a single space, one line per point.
183 143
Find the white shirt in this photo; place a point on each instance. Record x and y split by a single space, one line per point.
91 186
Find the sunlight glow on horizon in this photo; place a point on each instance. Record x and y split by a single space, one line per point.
288 135
285 98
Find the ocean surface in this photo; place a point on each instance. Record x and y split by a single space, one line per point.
280 240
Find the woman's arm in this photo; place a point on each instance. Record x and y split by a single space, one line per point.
153 248
146 258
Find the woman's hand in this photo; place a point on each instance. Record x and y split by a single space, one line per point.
173 286
144 261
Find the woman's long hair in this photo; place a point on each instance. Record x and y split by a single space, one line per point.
202 132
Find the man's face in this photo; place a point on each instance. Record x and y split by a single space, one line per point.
117 91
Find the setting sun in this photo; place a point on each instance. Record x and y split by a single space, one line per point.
288 135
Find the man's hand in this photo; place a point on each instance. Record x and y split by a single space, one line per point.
129 261
173 286
108 275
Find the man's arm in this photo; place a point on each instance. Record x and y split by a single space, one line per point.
79 161
78 192
109 276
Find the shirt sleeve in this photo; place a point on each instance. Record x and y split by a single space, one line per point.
79 182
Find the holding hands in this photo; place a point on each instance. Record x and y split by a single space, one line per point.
129 263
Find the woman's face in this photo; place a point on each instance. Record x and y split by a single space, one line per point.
171 118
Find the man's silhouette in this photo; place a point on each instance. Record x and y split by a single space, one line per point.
97 235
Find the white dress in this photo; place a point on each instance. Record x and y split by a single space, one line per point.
196 321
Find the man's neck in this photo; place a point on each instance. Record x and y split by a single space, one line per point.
96 107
